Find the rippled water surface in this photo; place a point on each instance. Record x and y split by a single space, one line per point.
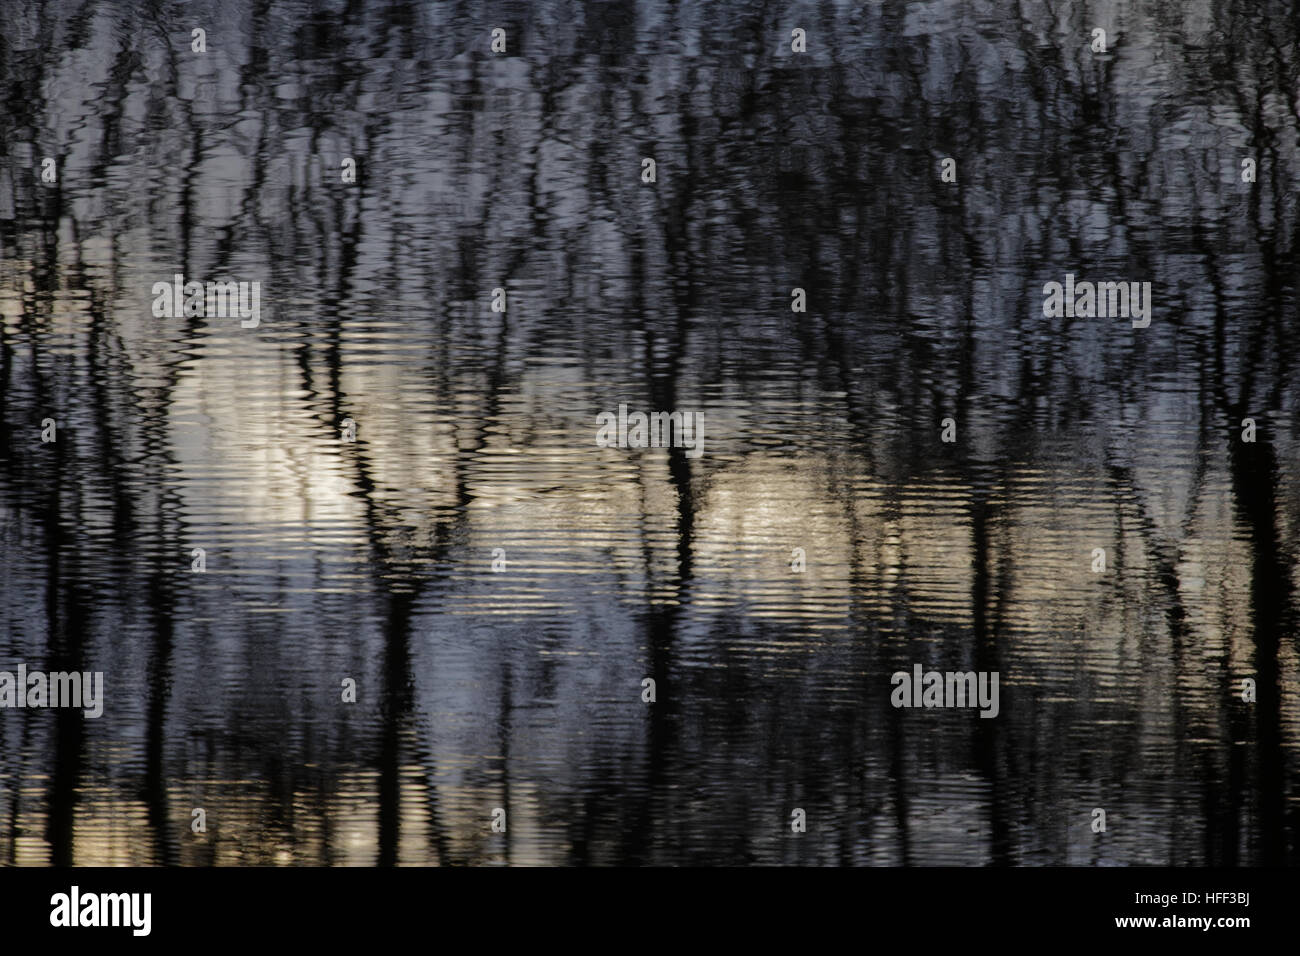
475 430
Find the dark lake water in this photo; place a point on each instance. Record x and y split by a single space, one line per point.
475 430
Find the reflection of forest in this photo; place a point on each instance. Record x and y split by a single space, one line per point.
474 431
